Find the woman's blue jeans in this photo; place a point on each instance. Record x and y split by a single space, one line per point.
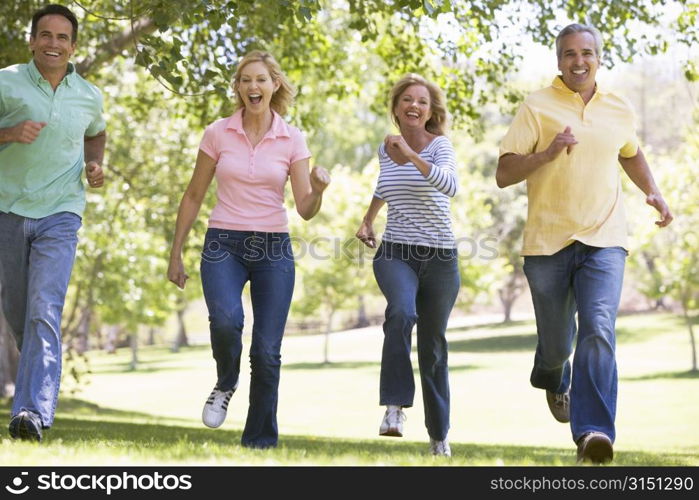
229 260
420 285
586 280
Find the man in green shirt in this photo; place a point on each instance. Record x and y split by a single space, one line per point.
51 127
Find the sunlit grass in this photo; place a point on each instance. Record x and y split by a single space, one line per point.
329 413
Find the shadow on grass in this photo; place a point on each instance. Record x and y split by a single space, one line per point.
492 326
501 343
333 365
170 443
664 375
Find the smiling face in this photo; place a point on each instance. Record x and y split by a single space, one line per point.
53 45
414 107
256 87
578 62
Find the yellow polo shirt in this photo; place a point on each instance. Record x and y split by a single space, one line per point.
577 196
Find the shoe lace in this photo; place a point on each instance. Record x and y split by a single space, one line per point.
220 398
396 416
560 400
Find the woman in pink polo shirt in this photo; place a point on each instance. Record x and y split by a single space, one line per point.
251 154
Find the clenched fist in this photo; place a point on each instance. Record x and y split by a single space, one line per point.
27 131
95 175
320 178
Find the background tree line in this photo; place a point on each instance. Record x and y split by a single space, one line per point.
164 68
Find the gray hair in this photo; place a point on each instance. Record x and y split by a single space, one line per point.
580 28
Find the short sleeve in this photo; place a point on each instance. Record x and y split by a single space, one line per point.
523 134
299 149
630 147
208 142
97 124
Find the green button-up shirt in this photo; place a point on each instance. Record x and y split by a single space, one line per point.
45 177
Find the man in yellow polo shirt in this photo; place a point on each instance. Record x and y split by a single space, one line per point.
567 142
51 128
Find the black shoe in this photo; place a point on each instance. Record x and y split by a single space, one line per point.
596 448
26 426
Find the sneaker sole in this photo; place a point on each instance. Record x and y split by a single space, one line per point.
598 451
24 429
392 432
14 427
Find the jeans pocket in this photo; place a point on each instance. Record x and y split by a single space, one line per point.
215 248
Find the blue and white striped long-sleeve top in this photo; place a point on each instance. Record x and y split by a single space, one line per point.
418 206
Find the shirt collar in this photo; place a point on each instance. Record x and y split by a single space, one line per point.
36 77
560 85
278 129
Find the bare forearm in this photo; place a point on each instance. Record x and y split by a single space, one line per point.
186 215
94 148
513 168
639 172
310 205
373 210
7 135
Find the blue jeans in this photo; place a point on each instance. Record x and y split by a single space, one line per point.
587 280
229 260
420 285
36 259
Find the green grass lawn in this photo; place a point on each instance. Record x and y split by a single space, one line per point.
329 414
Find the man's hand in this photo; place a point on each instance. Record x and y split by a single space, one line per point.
95 175
27 131
656 201
320 179
564 140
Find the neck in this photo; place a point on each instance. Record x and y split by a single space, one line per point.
257 121
417 138
54 77
587 94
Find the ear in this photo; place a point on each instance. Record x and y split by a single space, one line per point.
277 84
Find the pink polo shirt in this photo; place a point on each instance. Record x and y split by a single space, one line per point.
250 181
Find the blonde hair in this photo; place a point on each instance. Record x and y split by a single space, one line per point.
439 121
282 97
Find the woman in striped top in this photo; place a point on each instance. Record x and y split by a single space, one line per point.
416 263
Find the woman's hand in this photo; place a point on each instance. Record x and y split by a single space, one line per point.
320 179
175 272
398 149
366 234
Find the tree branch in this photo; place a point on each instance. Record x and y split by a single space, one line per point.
116 45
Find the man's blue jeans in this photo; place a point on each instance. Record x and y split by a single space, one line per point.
587 280
420 285
36 259
229 260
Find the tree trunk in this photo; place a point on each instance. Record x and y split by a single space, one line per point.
181 340
9 359
509 293
133 340
362 319
328 328
692 341
112 338
82 333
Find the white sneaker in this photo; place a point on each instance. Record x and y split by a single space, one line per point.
216 407
440 448
392 424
